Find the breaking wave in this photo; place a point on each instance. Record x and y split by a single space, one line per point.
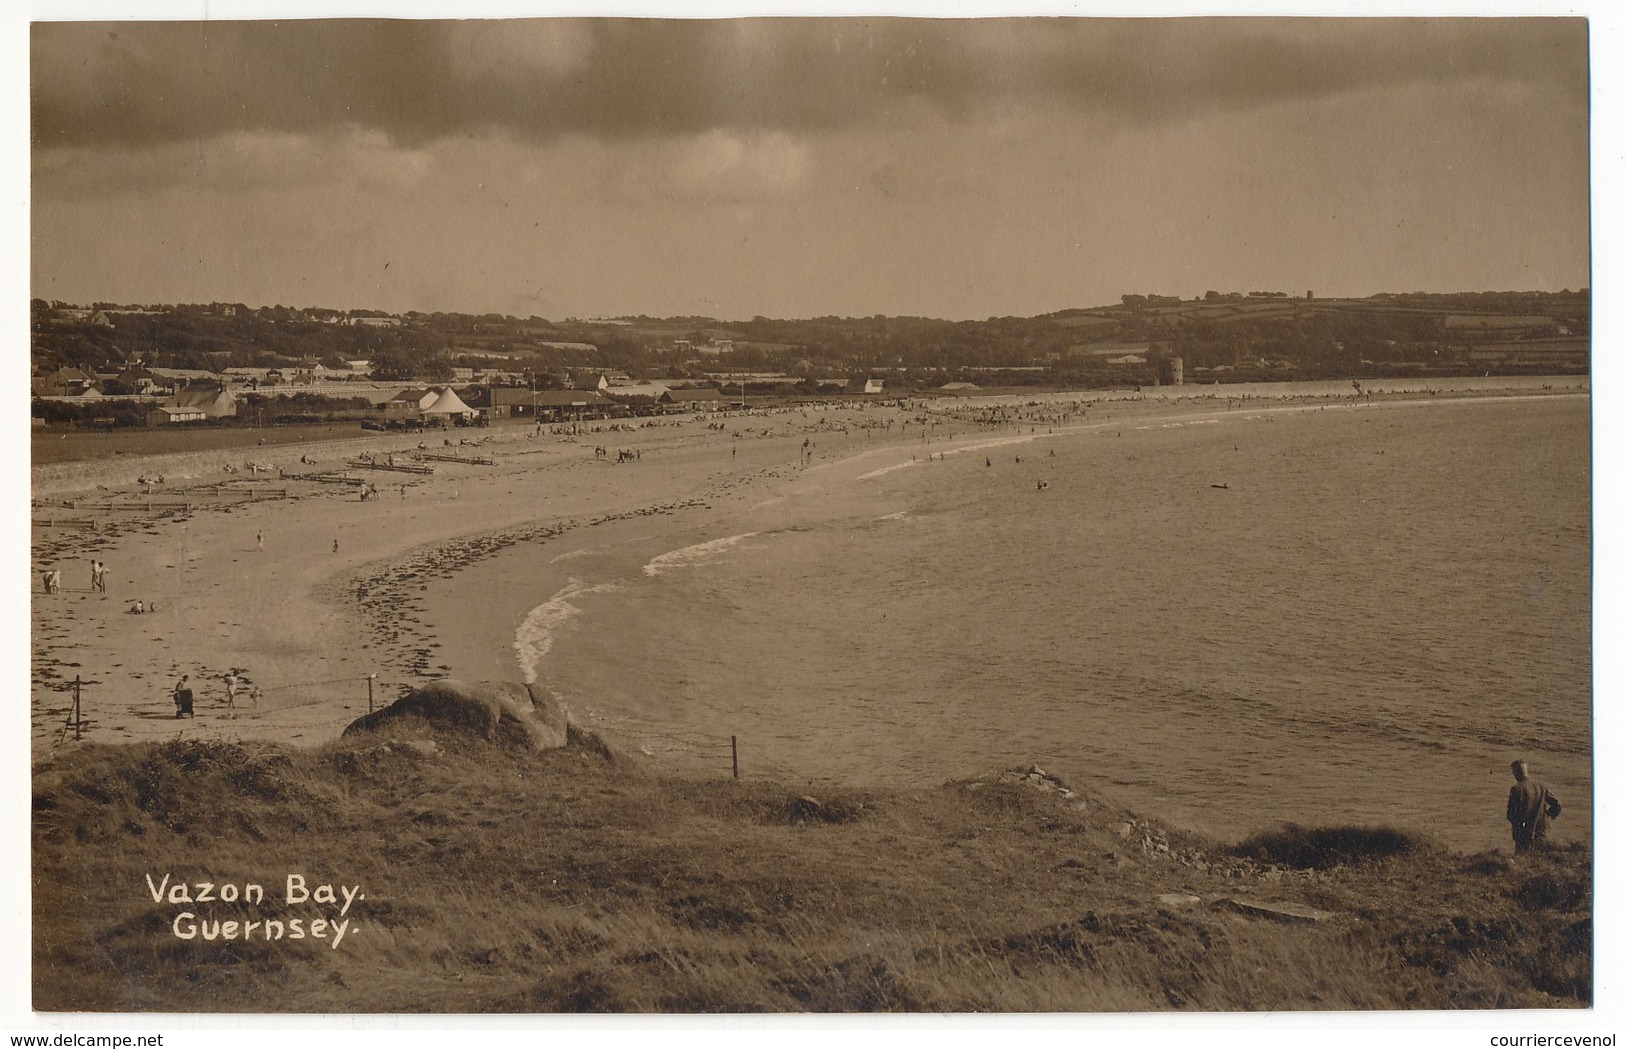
535 635
698 554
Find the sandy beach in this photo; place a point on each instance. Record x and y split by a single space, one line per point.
345 588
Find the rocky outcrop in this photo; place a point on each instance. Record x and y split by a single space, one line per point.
493 709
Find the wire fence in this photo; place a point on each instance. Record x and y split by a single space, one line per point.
364 692
686 751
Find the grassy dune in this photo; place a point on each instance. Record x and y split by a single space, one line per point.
497 879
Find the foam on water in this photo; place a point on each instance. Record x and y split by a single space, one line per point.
964 449
698 554
885 470
1352 632
534 638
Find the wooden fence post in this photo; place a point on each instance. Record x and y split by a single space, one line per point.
75 717
735 741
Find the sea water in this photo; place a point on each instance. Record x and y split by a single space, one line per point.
1357 613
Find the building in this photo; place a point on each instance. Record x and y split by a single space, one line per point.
139 380
874 386
166 415
214 400
643 395
1558 355
571 404
704 399
507 402
64 382
409 404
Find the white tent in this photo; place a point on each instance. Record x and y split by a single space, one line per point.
448 403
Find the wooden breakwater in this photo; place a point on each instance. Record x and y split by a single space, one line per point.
404 468
189 500
473 460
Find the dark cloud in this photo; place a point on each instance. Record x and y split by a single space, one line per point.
133 84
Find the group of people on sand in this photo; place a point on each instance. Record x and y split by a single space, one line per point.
51 579
183 697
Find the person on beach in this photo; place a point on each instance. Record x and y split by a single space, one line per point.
1530 808
231 689
56 580
259 539
335 546
183 697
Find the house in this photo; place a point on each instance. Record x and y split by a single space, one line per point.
88 316
212 399
874 386
165 415
140 380
409 404
186 374
63 382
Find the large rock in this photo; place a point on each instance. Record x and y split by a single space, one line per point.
490 708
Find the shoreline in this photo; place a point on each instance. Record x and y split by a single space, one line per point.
308 625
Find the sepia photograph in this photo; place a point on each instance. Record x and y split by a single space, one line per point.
1028 515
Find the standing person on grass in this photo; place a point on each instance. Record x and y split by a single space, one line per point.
1530 807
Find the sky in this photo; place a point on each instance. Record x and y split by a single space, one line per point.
801 167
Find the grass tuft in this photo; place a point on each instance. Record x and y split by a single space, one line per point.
1322 848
